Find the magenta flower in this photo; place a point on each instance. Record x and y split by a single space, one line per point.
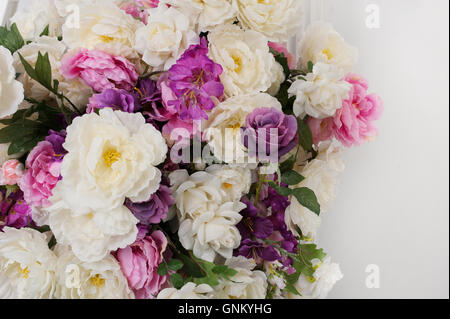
15 211
100 70
43 167
195 83
116 99
353 123
151 98
139 263
276 130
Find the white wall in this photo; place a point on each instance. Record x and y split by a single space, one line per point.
393 204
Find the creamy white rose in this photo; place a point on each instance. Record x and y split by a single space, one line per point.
11 91
206 14
246 284
213 232
278 20
188 291
27 262
101 25
34 17
321 43
167 35
223 127
245 57
321 92
321 176
111 156
94 280
236 181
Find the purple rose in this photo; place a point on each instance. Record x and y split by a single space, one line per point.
271 132
155 209
116 99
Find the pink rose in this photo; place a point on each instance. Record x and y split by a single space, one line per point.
148 3
11 172
139 263
281 48
100 70
133 10
43 169
353 123
322 129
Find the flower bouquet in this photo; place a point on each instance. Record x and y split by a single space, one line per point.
172 149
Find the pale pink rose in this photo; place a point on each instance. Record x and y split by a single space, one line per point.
43 168
133 10
99 70
281 48
322 129
139 263
180 132
148 3
11 172
353 123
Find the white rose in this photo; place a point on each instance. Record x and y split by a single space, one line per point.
196 193
245 57
246 284
213 232
321 283
89 280
223 127
35 16
321 95
94 234
188 291
321 43
167 35
111 156
206 13
7 290
102 25
278 79
27 262
11 91
277 20
236 181
321 176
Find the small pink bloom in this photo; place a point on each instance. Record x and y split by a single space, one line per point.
100 70
281 48
148 3
11 172
179 131
322 129
43 169
139 263
353 123
133 10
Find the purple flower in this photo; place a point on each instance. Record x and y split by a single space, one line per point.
117 99
57 139
15 211
273 129
195 82
252 224
275 201
150 97
155 209
257 251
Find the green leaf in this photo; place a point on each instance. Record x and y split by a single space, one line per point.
42 72
282 60
283 191
307 198
190 267
290 288
305 135
162 269
52 242
288 164
175 264
45 31
224 271
10 189
177 280
291 178
310 66
11 39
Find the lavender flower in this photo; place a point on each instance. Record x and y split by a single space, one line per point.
150 97
117 99
195 82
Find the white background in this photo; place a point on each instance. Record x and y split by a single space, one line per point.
393 203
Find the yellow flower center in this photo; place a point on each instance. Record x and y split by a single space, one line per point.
25 272
227 185
106 39
97 281
328 53
238 63
110 157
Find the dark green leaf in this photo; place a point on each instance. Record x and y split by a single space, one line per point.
291 178
175 264
310 66
305 135
162 269
224 270
44 71
283 191
283 60
177 280
190 267
52 242
288 164
11 39
307 198
290 288
45 31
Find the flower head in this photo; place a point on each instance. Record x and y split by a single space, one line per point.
15 210
116 99
256 250
195 81
252 224
11 172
